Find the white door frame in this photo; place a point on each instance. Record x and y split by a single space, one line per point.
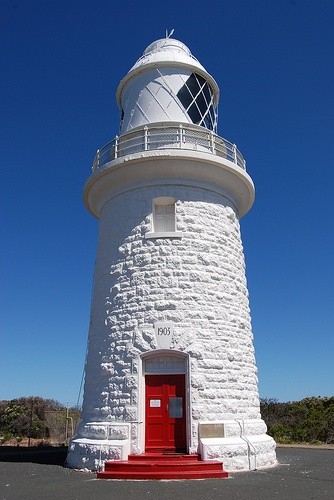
163 362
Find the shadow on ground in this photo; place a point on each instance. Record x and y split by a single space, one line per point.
52 455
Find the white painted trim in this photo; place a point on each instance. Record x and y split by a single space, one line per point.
170 234
141 406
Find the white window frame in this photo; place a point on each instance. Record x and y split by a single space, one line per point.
157 229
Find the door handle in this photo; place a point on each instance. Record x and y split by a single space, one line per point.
167 407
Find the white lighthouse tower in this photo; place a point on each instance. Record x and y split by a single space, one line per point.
170 364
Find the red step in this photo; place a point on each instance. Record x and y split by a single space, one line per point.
159 466
157 456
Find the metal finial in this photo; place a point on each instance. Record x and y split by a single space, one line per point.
168 35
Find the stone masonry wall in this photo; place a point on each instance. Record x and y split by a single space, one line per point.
197 281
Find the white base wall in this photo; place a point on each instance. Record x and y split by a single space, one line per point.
240 444
103 441
91 454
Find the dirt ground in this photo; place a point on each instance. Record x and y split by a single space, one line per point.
307 445
33 443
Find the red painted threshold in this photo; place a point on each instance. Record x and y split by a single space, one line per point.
157 456
157 466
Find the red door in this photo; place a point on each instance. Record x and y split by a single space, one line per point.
165 412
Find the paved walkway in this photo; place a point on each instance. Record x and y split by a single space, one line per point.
302 474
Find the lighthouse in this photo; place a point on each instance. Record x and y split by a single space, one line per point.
170 362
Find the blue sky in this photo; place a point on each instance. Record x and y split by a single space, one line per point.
61 63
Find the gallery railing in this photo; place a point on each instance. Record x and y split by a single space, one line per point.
168 136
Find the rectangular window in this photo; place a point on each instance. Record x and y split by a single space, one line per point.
163 219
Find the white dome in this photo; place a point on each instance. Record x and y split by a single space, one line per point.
166 44
167 51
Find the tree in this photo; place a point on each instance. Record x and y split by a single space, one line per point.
310 420
31 416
